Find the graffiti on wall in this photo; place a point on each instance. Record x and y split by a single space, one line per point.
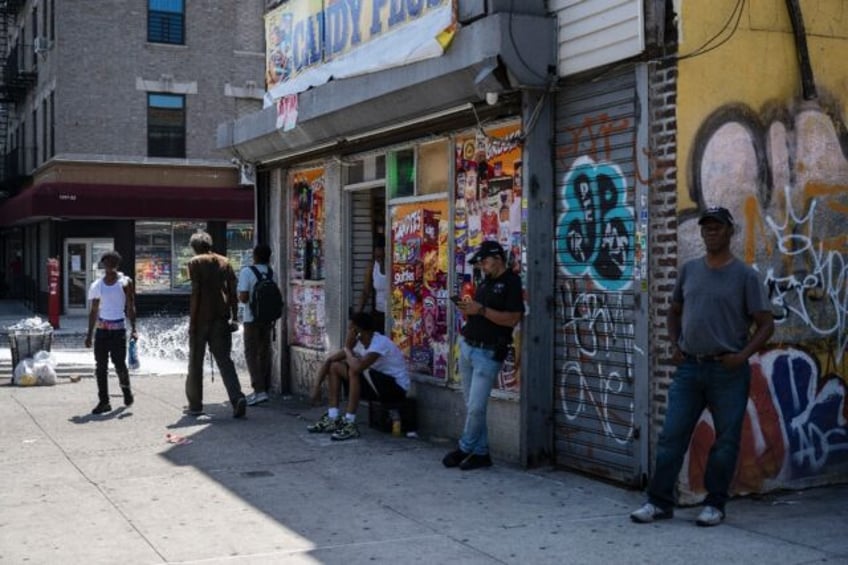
595 255
784 176
596 379
795 426
595 230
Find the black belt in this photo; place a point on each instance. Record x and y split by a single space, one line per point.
481 344
714 358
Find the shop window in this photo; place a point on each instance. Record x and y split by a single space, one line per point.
162 254
240 244
489 205
400 173
306 260
368 169
419 285
433 169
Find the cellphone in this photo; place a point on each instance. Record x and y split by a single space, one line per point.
456 299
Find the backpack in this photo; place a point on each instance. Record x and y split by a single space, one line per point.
266 301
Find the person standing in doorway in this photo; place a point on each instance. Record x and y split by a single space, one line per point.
112 303
257 336
376 286
489 320
212 319
715 302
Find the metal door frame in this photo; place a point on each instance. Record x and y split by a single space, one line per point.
89 271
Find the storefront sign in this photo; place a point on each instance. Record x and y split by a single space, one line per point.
311 41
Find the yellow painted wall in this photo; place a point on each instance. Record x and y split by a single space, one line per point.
757 66
780 164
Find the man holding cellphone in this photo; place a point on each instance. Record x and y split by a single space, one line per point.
486 336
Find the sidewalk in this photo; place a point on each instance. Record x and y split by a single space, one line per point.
148 485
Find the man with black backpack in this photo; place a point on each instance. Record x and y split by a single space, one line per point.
263 305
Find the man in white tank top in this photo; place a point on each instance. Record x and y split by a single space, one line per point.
112 302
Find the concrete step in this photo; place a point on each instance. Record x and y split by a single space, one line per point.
63 369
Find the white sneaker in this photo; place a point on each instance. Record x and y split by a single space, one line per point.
255 398
710 516
649 512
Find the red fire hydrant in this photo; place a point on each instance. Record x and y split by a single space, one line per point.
53 306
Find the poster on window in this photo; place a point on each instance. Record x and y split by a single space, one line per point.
419 290
489 205
306 314
306 309
307 203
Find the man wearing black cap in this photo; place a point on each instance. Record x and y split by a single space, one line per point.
714 303
486 336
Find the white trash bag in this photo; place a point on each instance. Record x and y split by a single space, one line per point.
24 374
44 368
38 370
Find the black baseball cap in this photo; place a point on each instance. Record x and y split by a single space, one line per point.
488 249
717 213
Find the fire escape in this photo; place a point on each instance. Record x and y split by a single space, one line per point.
17 77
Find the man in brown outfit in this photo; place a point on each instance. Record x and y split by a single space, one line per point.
213 305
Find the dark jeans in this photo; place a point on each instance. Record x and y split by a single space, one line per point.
257 354
110 343
696 386
217 336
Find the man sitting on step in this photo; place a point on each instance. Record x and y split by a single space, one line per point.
370 366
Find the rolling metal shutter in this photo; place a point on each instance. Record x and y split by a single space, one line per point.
597 278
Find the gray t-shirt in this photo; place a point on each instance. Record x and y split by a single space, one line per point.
718 305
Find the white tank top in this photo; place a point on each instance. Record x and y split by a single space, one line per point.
113 300
381 288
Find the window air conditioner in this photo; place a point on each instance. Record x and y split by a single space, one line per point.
41 44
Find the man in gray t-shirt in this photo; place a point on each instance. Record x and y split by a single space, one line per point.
715 302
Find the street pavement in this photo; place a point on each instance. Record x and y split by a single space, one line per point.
148 485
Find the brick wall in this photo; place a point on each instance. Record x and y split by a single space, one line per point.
102 67
663 232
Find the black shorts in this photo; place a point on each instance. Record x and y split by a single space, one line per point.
384 389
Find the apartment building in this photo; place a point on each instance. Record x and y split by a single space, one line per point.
108 113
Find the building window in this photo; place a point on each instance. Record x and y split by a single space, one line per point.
162 254
166 125
166 21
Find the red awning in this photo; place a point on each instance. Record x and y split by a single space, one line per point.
107 201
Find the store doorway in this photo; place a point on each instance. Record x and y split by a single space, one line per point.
368 224
81 268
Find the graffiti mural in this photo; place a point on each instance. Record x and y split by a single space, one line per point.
595 231
784 176
596 380
795 427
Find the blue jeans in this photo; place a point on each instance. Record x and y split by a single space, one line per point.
478 370
696 386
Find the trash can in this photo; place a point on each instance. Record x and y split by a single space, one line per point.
28 342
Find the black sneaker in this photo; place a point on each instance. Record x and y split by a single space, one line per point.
240 408
128 397
102 407
475 461
454 458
